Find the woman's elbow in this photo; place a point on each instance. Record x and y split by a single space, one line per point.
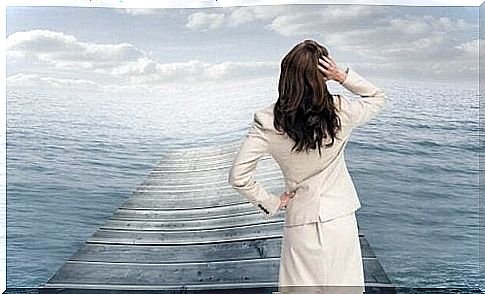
236 179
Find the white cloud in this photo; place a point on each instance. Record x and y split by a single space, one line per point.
417 46
66 52
204 21
378 34
325 19
234 16
141 11
471 48
239 69
199 71
246 14
286 19
424 38
124 62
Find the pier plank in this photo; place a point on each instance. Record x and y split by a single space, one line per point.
259 270
246 249
237 232
222 222
182 213
168 274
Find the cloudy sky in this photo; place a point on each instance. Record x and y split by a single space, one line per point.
116 49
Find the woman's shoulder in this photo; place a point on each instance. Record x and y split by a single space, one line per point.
265 116
265 112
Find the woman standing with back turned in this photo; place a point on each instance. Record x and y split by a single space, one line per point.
306 131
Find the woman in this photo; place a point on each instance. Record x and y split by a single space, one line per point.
306 131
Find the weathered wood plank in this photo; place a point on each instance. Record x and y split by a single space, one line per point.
196 236
246 249
365 247
152 199
174 203
200 206
199 193
200 183
167 274
219 163
228 156
228 221
260 270
201 151
209 171
374 273
222 178
183 214
223 157
198 164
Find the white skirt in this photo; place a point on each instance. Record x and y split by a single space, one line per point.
322 255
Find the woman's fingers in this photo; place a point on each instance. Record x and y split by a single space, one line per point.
331 60
330 68
323 62
325 72
287 195
322 69
285 198
332 65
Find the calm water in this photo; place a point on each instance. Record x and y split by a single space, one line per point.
73 158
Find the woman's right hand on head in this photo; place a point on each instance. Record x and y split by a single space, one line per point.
328 67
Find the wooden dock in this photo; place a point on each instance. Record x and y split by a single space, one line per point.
184 228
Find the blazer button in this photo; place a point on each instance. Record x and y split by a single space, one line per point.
264 209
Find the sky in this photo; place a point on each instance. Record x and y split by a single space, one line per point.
159 49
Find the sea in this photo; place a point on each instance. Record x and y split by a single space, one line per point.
74 156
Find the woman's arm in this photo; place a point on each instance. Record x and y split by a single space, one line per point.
241 174
372 99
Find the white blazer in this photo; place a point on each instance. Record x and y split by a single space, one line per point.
324 188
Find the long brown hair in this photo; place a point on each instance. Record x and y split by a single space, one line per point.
305 109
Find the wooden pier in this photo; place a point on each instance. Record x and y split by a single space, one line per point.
184 228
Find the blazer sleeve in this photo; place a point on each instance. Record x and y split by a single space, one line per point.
241 173
372 99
